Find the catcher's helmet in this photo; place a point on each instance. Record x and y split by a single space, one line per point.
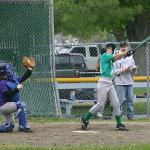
2 68
6 69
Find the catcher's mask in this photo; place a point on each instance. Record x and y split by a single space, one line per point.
3 69
6 69
113 46
9 70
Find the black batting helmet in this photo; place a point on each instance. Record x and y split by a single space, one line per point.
113 46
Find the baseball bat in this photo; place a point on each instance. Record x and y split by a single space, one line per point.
147 39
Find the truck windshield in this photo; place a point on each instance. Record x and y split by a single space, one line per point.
65 49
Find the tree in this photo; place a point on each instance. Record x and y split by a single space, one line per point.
122 18
139 27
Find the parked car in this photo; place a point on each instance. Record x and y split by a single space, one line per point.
69 65
72 65
90 53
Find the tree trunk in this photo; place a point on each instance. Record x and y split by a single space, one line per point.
119 34
138 29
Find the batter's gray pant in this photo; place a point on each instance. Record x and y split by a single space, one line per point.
7 111
105 89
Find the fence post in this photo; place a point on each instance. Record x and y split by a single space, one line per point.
148 73
52 53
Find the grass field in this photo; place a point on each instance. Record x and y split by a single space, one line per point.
98 147
140 108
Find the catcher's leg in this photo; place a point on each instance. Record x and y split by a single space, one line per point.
22 117
8 117
7 125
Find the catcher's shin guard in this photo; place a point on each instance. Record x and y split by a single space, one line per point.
6 127
22 117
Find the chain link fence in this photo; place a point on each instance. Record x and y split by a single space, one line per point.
26 30
76 97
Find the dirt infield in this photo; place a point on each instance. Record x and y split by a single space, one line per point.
60 134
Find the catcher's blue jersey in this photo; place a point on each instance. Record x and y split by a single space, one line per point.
8 85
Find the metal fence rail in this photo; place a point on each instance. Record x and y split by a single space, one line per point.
85 93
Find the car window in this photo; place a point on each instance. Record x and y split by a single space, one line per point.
93 51
80 50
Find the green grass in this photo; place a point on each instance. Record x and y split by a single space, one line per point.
140 91
98 147
140 108
42 119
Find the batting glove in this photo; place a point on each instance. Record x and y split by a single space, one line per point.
130 52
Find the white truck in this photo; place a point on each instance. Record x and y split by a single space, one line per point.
90 52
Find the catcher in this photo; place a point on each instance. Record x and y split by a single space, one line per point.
10 102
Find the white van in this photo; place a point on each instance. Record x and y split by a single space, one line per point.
90 53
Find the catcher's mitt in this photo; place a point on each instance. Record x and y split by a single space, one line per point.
28 62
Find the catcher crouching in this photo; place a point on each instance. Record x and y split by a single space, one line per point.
10 102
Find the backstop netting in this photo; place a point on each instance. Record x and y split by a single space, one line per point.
26 30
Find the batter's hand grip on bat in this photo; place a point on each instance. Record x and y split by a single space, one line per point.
130 52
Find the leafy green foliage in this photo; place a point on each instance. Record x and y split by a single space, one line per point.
84 18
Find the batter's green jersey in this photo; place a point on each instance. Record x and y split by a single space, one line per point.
106 64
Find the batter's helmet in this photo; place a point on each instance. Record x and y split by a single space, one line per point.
113 46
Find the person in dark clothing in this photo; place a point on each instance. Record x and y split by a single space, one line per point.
10 101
